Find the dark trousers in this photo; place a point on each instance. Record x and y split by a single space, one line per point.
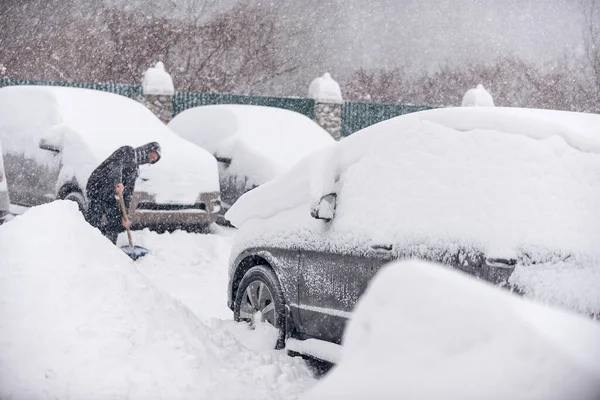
105 214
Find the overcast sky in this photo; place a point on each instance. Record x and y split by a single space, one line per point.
424 33
385 33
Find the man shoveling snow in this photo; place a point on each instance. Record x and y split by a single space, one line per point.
116 176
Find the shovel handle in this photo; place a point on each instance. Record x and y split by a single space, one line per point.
124 211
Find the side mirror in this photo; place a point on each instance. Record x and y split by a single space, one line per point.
46 144
325 208
223 160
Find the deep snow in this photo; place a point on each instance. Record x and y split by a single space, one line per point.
78 319
423 331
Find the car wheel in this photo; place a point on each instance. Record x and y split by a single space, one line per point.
78 198
259 295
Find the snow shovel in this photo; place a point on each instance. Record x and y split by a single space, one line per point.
134 252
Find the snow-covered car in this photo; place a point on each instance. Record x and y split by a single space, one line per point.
54 137
253 144
4 199
507 195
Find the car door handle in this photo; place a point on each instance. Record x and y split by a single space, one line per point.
384 247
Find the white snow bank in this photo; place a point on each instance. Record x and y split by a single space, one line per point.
325 90
477 97
424 331
570 284
157 81
89 125
262 142
77 320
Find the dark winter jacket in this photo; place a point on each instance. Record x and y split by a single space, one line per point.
121 167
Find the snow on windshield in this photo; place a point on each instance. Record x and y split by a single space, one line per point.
262 142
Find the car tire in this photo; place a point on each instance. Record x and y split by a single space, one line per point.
251 297
78 198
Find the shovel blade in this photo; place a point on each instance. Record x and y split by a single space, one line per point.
135 252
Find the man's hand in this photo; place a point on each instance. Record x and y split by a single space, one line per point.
119 189
126 223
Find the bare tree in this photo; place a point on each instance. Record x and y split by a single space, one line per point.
511 81
233 51
591 36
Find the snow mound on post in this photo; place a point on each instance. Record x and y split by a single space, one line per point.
478 97
325 90
77 320
425 331
157 81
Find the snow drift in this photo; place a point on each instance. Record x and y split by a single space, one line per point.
423 331
77 320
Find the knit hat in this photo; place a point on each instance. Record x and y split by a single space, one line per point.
142 153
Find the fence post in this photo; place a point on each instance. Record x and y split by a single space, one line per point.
328 104
158 90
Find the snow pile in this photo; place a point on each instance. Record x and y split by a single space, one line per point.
77 320
477 97
157 81
325 90
190 267
424 331
89 125
262 142
424 187
570 284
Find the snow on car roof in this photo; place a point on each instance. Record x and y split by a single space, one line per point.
262 142
580 130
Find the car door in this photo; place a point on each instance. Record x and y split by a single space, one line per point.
329 287
32 179
32 161
46 169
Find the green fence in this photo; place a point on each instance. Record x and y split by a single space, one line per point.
355 115
184 100
131 91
